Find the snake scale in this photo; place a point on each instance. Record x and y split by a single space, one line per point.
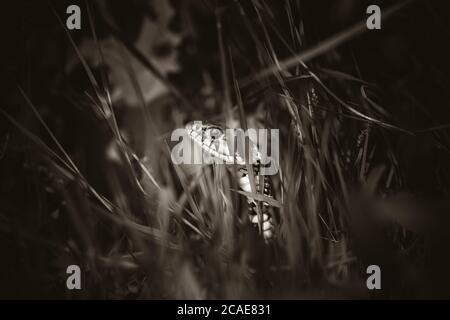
212 139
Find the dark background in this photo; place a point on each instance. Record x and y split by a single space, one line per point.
407 60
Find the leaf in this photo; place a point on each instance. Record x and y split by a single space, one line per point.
156 42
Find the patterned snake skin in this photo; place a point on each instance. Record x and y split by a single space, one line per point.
212 139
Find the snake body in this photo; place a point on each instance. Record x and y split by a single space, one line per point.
212 139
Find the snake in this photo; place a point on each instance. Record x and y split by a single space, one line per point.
212 139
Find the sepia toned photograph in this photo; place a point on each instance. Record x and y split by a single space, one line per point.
251 150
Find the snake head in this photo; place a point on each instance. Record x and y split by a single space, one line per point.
207 131
213 139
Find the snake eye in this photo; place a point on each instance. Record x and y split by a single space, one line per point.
215 133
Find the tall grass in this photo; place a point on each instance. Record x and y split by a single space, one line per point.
159 230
